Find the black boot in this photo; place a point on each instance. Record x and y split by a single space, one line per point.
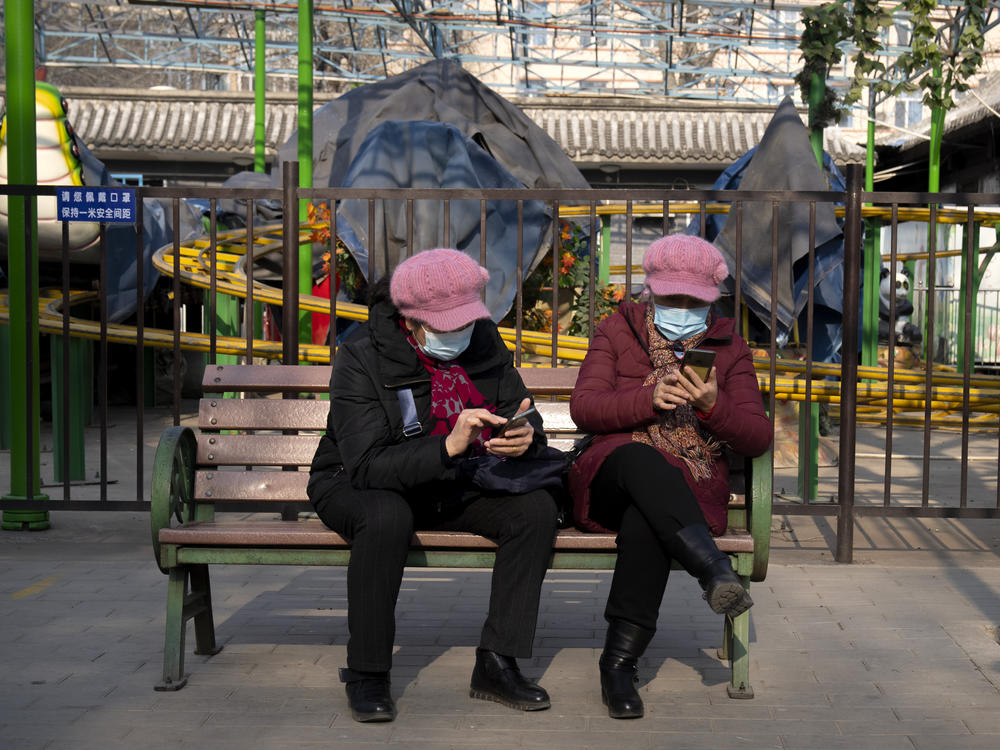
368 694
623 645
695 549
497 678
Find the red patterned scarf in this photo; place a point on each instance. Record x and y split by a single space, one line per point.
451 392
679 432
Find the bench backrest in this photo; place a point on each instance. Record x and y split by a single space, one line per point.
258 448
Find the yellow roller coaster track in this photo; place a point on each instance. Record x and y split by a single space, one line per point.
950 216
909 392
945 215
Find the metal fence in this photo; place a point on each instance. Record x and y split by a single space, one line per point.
906 421
948 313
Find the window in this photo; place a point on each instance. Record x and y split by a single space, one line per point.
536 13
532 82
778 91
128 179
595 32
908 112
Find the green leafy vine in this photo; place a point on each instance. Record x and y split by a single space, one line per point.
825 28
951 54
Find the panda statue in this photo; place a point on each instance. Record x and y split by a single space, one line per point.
903 331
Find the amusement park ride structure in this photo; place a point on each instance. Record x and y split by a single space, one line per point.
705 49
727 50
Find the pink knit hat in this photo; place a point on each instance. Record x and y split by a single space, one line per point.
682 264
441 288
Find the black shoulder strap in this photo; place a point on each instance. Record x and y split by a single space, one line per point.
638 338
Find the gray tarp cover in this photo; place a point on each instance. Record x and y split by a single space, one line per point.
490 143
784 160
428 155
439 91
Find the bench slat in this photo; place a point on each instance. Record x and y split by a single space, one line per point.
217 486
312 533
257 450
266 378
542 381
262 414
549 381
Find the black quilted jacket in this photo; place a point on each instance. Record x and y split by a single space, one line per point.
364 433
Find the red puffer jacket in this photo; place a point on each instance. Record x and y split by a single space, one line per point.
610 401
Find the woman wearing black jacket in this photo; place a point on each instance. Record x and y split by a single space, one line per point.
420 387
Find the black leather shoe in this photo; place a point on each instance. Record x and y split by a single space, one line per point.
623 645
695 549
497 678
368 694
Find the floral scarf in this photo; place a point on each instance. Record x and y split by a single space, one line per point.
679 432
451 391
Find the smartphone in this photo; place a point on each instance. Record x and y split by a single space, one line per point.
516 421
700 360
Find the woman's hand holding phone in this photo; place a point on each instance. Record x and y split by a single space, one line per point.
685 387
516 435
467 427
702 394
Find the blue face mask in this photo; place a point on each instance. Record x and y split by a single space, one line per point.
447 346
679 323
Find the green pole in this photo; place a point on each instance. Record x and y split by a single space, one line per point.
872 258
808 478
604 259
72 464
934 163
259 94
963 293
869 303
305 153
817 89
870 143
22 259
227 323
933 186
4 387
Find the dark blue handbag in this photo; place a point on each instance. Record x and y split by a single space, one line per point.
547 468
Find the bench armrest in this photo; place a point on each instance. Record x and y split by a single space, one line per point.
759 498
172 488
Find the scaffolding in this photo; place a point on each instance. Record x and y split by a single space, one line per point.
726 50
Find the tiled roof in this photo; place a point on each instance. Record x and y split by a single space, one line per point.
174 124
714 135
218 126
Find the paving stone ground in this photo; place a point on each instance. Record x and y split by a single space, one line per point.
898 650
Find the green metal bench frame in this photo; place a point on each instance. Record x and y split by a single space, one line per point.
187 489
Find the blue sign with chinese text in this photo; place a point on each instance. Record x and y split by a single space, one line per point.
107 204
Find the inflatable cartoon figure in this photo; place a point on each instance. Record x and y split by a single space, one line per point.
58 163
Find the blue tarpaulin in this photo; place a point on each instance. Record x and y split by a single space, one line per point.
784 160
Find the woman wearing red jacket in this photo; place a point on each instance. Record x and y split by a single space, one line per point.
656 473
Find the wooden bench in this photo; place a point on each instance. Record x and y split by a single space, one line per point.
257 448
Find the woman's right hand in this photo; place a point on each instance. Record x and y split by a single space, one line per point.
470 423
669 393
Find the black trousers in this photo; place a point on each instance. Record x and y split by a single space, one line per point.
646 499
380 524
